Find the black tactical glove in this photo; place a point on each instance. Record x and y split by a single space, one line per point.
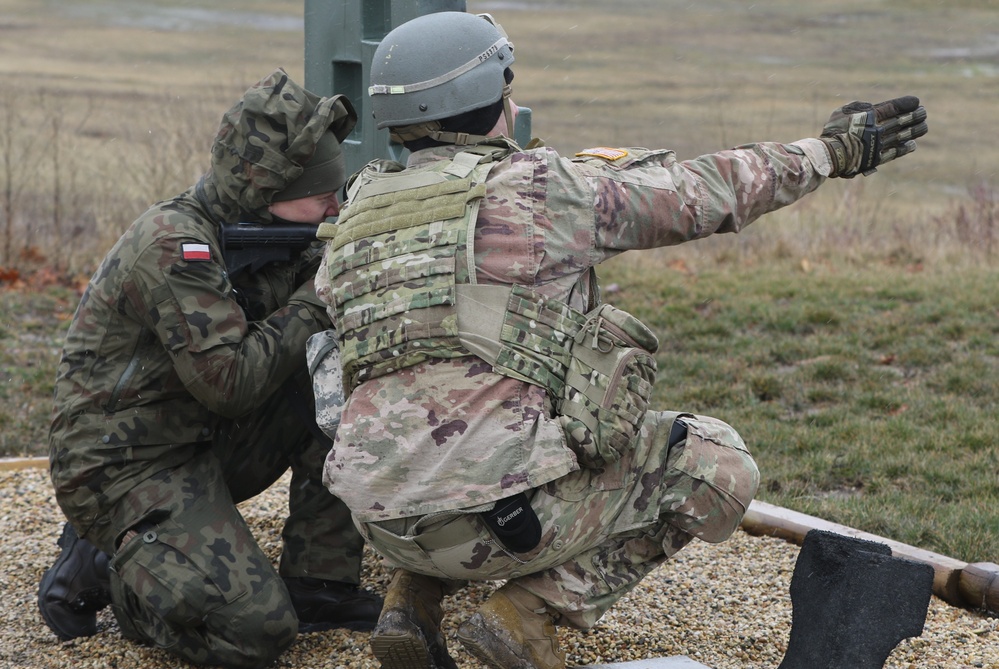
860 136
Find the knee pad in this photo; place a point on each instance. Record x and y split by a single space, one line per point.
712 478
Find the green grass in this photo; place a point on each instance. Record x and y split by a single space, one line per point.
31 327
870 396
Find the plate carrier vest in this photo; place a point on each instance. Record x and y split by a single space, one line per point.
401 266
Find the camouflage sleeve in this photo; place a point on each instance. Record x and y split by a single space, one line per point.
230 364
265 290
322 352
646 199
269 288
324 291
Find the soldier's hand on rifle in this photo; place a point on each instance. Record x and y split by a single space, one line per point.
860 136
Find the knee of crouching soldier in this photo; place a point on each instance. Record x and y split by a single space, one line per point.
746 481
715 477
253 633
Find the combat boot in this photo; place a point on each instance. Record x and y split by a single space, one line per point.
75 588
323 605
408 634
513 630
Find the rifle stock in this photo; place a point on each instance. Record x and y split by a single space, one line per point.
251 245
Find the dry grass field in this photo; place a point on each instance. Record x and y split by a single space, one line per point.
109 105
696 77
106 107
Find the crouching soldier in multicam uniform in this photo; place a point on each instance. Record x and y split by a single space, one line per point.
183 390
496 423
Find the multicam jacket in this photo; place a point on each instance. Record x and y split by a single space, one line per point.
165 343
450 434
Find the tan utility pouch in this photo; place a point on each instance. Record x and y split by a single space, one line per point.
608 384
598 367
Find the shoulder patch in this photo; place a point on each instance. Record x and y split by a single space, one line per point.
196 252
604 152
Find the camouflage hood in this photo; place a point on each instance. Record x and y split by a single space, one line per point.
263 142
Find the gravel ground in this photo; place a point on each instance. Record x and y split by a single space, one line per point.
726 606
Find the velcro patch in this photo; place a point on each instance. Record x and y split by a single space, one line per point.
195 252
604 152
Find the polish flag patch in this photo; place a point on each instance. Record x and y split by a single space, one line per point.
197 252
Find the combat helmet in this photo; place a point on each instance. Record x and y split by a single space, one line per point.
437 66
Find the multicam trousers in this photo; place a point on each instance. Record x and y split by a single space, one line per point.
191 579
603 530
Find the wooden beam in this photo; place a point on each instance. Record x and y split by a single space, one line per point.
958 583
11 464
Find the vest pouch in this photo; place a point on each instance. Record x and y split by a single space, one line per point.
322 354
608 384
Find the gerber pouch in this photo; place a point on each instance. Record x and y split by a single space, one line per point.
514 523
608 383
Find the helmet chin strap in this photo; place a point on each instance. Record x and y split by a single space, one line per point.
508 110
432 129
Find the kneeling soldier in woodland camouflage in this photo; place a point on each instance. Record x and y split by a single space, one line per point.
183 390
496 424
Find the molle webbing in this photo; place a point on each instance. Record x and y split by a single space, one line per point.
519 332
597 367
394 259
399 210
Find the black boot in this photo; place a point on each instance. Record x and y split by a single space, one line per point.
75 588
323 605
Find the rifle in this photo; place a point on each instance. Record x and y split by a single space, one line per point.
251 245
